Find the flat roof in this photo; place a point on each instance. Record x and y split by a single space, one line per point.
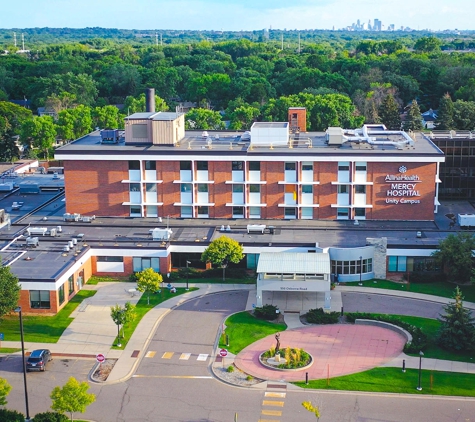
157 115
269 125
229 144
290 263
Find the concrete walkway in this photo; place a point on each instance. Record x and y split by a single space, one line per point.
93 331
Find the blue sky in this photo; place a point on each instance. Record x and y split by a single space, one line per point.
235 15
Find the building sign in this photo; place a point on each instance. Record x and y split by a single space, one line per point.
403 188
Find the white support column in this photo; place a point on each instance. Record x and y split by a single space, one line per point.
328 300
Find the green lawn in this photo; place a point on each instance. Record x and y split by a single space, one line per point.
9 350
437 288
142 308
211 280
43 329
393 380
243 329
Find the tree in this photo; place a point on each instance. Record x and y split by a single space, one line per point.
122 315
148 281
464 115
427 45
201 118
107 117
4 390
75 122
39 133
135 105
457 330
9 291
72 397
445 114
222 251
455 256
311 408
413 117
389 113
12 117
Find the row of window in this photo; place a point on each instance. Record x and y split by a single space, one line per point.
360 266
412 264
239 165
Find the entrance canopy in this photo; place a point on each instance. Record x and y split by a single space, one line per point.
293 272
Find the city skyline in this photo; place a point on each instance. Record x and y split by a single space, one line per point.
235 15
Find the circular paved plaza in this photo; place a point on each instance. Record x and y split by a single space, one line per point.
338 349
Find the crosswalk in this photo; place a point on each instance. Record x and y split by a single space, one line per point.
273 403
202 357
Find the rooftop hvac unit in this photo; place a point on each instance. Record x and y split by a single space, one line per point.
32 242
71 217
66 248
161 234
36 230
110 136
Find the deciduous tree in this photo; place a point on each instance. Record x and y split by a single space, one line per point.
9 290
40 132
148 281
72 397
222 251
202 118
4 390
455 256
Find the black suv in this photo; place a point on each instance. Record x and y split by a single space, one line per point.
38 359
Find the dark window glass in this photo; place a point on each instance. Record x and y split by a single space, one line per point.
134 165
150 165
202 165
237 165
289 166
254 166
185 165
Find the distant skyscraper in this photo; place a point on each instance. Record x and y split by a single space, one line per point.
377 25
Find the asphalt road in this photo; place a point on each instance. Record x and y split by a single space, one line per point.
384 304
167 388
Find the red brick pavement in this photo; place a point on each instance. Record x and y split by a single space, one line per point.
339 349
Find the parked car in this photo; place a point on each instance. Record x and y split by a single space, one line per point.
38 359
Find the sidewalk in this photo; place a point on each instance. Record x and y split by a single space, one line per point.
93 331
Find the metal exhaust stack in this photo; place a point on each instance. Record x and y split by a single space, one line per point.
150 100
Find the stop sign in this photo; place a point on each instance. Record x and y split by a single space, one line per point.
100 357
223 352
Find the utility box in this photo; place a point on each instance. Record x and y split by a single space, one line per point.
466 220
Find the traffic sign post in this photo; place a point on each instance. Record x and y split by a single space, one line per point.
2 337
100 357
223 353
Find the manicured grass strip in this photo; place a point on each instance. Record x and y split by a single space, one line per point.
437 288
9 350
243 329
142 308
94 280
43 329
393 380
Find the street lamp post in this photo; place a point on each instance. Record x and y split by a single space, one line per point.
361 270
419 388
187 262
18 309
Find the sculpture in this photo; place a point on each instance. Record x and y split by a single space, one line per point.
277 346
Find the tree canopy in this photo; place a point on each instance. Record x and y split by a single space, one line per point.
72 397
222 251
5 388
9 291
148 281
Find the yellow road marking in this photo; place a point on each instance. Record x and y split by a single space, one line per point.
185 356
167 355
273 403
271 394
268 420
150 354
272 412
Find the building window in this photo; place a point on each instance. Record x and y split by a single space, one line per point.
202 165
150 165
238 188
397 264
151 187
185 165
135 211
134 187
203 211
238 212
342 213
202 187
307 213
61 294
290 212
186 212
254 188
307 166
254 166
360 188
343 189
39 299
110 259
254 212
360 166
307 189
289 166
140 264
134 165
237 165
71 285
360 212
185 187
343 166
352 267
